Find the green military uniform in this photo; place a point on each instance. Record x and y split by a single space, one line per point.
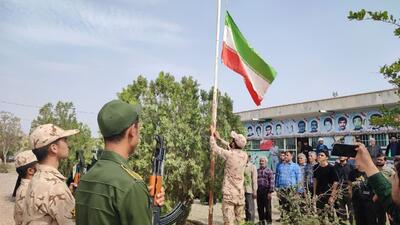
383 189
110 193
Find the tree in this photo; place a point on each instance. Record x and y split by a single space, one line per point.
63 114
179 111
10 134
391 117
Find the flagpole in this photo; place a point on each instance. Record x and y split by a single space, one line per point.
214 117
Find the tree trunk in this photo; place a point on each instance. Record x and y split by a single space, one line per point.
5 152
185 216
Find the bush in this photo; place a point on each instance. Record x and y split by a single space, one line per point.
302 210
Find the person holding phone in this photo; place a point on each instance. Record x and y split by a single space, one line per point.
387 192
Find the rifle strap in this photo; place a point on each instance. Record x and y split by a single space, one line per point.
130 172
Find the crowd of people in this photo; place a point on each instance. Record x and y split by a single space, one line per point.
352 189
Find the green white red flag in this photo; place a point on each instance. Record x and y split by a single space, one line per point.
241 58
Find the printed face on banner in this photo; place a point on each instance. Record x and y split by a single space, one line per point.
357 122
371 116
259 131
278 129
268 130
250 131
328 124
301 127
314 126
342 123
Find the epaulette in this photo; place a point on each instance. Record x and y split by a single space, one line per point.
130 172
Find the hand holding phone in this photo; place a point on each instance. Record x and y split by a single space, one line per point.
344 150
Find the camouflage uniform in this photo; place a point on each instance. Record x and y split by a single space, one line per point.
233 185
22 159
19 201
48 199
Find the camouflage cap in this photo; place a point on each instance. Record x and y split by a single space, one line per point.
24 158
240 140
116 115
48 133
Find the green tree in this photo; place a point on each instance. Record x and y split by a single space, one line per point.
63 114
179 111
11 135
391 117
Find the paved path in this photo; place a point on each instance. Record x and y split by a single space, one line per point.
7 183
200 212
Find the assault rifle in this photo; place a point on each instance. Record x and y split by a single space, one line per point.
156 183
79 169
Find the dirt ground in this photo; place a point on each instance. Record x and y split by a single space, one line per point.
199 212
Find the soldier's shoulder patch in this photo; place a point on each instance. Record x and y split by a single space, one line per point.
132 173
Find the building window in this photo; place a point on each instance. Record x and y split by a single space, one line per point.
381 139
290 143
279 143
254 145
364 139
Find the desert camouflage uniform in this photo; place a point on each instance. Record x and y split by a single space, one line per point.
19 201
233 184
22 159
48 199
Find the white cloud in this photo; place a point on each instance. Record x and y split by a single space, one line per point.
84 24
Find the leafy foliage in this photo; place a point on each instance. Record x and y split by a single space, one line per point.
391 71
11 135
63 114
302 210
179 111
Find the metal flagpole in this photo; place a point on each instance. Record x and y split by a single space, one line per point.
214 117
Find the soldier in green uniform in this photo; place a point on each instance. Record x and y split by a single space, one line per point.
110 193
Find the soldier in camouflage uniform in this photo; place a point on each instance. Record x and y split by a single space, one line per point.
48 199
233 199
25 164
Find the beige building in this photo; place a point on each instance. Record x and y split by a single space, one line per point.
331 119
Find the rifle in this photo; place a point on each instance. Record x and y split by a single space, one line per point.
156 177
155 181
80 168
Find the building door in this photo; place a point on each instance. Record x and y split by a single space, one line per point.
300 143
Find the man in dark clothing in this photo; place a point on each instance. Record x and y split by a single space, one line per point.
306 148
325 181
343 171
265 184
374 149
364 211
393 147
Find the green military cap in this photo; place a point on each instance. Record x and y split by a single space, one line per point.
116 115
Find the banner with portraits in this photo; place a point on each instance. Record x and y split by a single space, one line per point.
327 124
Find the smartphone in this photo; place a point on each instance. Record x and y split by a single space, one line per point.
344 150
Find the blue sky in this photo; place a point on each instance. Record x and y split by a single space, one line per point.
87 51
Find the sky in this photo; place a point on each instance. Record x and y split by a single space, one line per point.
87 51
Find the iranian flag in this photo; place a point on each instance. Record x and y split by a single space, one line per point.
240 57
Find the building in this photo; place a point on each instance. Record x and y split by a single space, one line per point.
333 119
